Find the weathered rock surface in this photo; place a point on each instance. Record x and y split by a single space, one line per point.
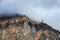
20 27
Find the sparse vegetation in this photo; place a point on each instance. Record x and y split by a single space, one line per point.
24 28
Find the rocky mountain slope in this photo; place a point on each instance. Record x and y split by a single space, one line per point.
20 27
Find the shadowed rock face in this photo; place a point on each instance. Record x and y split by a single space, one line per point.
20 27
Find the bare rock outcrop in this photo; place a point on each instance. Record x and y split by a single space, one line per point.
20 27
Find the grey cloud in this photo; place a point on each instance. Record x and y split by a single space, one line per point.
48 10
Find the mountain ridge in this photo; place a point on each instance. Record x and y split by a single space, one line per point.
4 17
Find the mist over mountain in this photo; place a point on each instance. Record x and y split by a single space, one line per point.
47 10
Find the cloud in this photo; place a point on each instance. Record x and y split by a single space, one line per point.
48 10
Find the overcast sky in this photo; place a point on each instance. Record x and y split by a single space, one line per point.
47 10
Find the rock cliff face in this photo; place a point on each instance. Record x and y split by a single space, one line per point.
20 27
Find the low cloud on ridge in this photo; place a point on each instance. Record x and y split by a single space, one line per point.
47 10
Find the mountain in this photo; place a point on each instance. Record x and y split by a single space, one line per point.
20 27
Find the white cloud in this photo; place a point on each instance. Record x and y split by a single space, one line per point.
48 10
